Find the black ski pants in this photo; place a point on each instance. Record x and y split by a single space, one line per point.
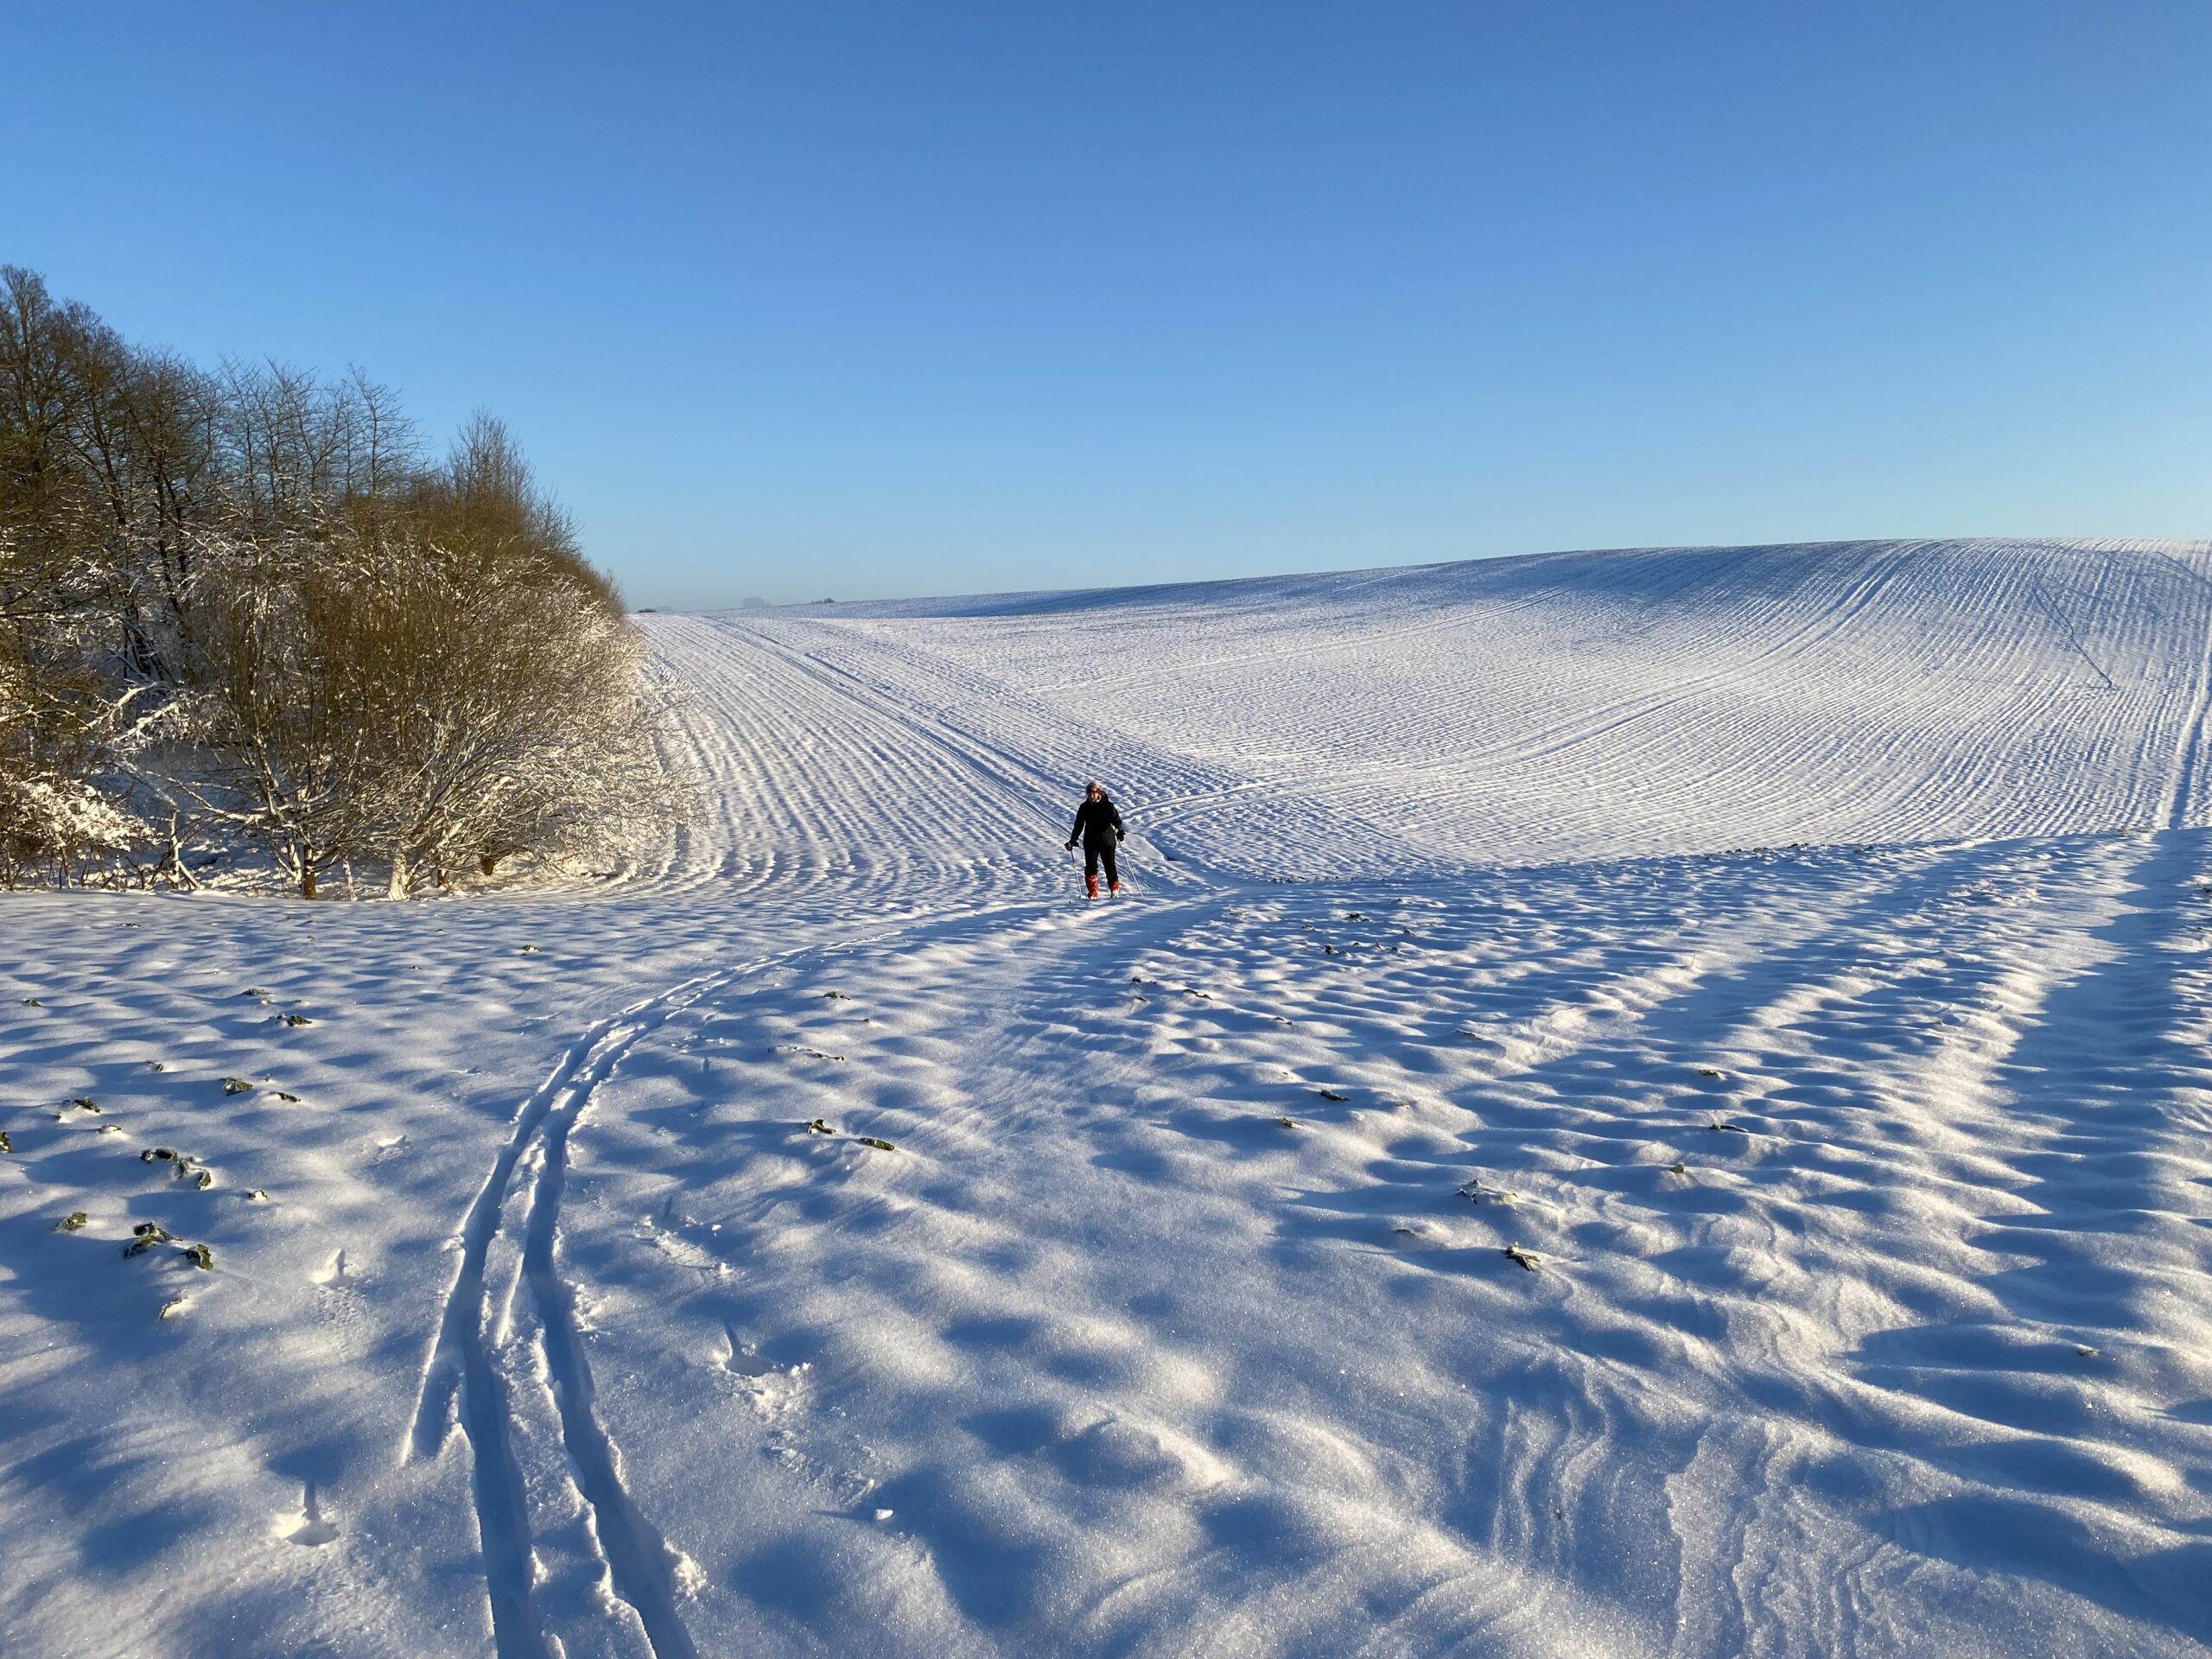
1096 853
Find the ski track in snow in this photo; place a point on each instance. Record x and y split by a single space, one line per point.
460 1382
1859 1187
462 1361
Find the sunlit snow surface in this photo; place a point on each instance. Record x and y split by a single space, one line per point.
1860 1191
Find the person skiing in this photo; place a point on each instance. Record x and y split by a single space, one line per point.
1099 826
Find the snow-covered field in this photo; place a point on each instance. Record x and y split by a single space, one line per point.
1637 1103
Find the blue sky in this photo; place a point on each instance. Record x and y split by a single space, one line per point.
824 298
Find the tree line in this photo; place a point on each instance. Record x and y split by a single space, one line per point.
246 608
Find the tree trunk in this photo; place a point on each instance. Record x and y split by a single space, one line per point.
306 880
175 860
490 861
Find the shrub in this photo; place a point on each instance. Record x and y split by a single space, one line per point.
244 599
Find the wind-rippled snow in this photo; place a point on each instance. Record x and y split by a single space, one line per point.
1794 957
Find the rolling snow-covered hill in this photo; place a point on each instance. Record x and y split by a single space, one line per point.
1517 711
1638 1103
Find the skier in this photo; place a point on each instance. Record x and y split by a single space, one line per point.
1099 826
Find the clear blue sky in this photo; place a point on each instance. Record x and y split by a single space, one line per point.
829 298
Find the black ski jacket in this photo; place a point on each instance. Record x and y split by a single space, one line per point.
1095 820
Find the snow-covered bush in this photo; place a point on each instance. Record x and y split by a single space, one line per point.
386 699
55 721
51 820
245 602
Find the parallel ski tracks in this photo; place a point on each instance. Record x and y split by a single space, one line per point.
461 1361
462 1382
1634 704
2189 754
